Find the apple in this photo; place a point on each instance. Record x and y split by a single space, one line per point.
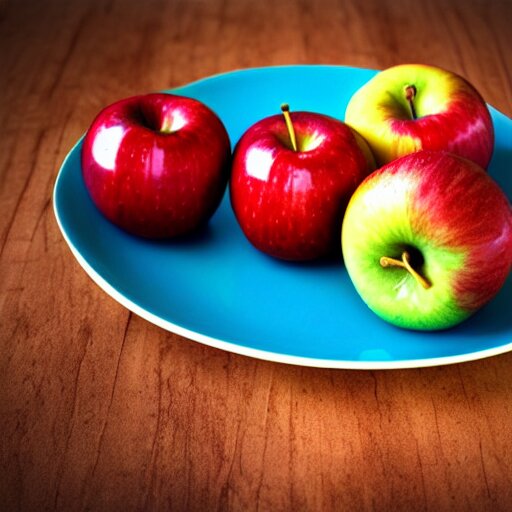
291 179
410 107
427 240
156 165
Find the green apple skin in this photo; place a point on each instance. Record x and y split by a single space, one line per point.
450 114
450 214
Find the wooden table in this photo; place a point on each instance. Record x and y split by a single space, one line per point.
101 410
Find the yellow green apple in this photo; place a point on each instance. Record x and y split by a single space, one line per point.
410 107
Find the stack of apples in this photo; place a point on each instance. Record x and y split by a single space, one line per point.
426 234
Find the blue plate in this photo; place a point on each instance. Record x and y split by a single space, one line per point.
217 289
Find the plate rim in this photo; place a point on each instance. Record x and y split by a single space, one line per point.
235 348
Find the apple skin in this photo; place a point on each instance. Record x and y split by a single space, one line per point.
446 209
290 204
156 165
451 114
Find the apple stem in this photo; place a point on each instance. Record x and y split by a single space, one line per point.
405 263
166 125
410 93
285 109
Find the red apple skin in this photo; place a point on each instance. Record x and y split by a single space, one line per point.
474 217
156 165
465 128
290 204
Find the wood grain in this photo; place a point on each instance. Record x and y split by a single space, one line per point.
100 410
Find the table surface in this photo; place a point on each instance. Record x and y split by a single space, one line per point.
101 410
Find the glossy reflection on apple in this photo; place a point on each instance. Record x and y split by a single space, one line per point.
291 180
427 240
156 165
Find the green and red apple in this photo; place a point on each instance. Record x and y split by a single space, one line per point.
427 240
411 107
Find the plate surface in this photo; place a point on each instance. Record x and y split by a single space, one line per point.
217 289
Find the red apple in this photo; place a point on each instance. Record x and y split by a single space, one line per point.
291 180
156 165
410 107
